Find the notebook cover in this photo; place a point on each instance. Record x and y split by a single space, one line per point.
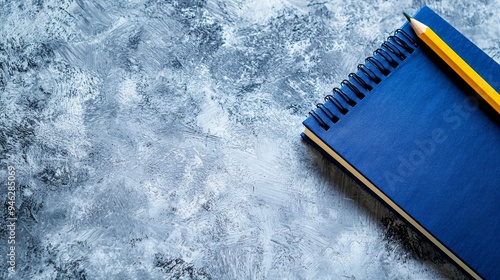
421 138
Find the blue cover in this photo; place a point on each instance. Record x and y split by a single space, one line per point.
421 137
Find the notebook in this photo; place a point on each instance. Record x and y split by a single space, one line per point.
417 137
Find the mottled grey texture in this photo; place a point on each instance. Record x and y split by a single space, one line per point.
160 139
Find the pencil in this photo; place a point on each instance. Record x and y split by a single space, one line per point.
462 68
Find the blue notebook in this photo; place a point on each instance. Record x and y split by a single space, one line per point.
416 136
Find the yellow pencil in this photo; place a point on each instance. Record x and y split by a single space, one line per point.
431 39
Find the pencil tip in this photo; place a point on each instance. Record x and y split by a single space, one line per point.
408 17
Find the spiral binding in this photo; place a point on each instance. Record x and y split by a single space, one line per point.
385 59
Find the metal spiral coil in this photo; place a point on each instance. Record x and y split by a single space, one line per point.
385 59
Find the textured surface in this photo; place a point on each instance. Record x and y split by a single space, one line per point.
158 139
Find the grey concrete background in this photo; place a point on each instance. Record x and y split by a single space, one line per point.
160 139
